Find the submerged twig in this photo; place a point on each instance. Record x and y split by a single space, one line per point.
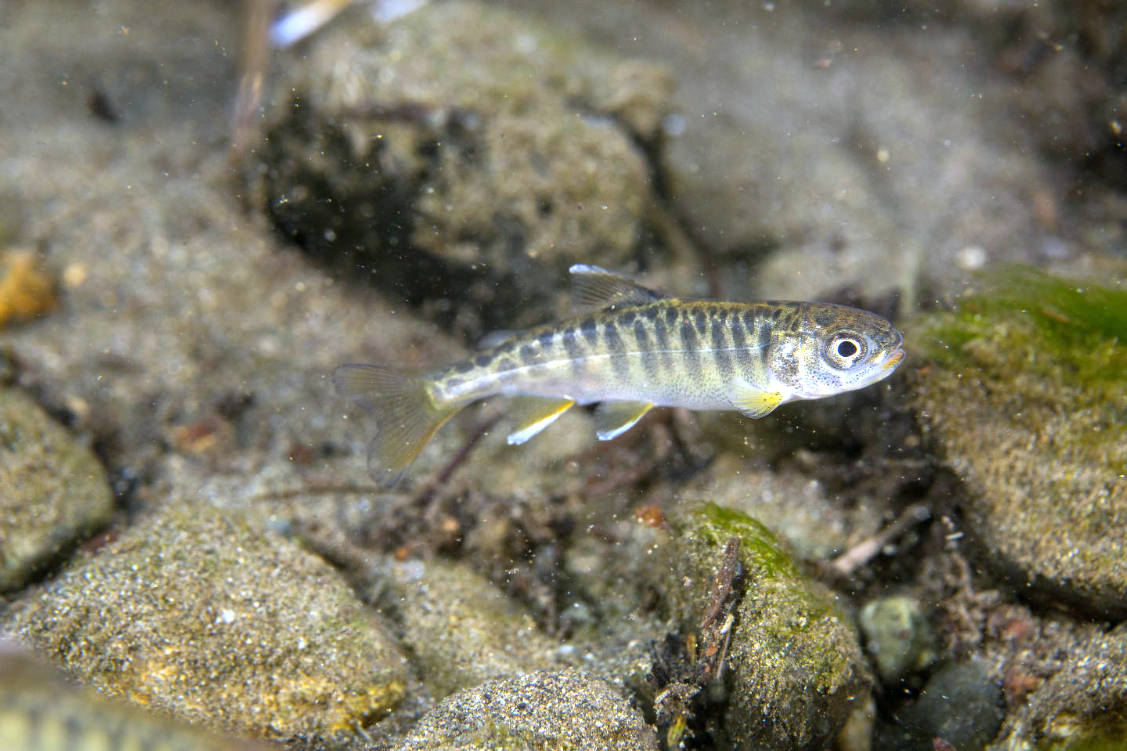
691 666
860 554
428 491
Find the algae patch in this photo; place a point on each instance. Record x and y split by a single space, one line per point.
1024 390
1026 329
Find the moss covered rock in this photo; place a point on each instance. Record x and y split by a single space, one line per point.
192 613
1024 389
53 491
539 711
794 664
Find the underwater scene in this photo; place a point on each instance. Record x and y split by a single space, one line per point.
392 375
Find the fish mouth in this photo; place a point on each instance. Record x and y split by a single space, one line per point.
893 360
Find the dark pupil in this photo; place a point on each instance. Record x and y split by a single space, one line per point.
846 348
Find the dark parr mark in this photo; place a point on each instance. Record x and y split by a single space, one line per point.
574 350
751 321
661 333
589 329
763 338
720 349
642 338
739 340
627 318
483 361
671 316
614 344
527 353
546 339
692 351
700 319
465 366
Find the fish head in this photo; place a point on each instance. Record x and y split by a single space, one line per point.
834 349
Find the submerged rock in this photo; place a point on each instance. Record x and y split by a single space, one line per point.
475 143
1025 395
1083 705
564 711
897 635
961 705
41 711
461 629
812 154
54 490
794 665
194 614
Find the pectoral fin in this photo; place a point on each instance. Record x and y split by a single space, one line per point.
612 419
595 288
533 414
755 403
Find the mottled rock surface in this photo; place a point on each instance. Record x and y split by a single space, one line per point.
897 635
460 628
53 491
1025 395
1082 704
193 613
539 711
39 709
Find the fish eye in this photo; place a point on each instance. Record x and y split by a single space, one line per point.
844 350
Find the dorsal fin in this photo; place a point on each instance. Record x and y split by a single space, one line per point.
595 288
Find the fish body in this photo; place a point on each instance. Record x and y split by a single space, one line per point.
635 349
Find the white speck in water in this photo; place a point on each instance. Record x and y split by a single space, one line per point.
674 125
526 43
387 11
413 570
227 615
971 257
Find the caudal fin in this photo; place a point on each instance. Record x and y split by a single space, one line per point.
405 415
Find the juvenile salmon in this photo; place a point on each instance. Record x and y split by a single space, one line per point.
635 350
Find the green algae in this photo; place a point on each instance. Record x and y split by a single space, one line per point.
759 548
1025 320
1107 738
1022 387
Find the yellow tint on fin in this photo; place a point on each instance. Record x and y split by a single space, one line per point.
533 414
612 419
755 403
406 417
595 288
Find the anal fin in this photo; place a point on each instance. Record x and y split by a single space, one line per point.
755 402
612 419
533 414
